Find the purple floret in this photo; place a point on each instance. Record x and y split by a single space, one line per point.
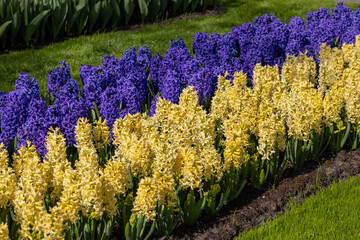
58 78
35 127
109 107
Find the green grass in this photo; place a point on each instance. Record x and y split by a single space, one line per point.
90 49
333 213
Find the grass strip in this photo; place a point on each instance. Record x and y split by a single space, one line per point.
332 213
90 49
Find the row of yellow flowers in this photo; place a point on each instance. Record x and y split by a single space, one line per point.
183 161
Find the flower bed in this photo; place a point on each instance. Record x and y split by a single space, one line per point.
184 160
131 84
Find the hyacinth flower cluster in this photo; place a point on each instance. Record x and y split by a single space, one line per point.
132 83
183 161
268 40
118 86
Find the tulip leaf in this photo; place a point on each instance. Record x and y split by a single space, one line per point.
78 9
83 19
143 9
94 15
34 25
154 8
106 12
116 13
15 26
4 27
129 9
58 18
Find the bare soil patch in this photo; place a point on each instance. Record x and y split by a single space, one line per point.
255 206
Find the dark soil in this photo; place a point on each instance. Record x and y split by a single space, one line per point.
255 206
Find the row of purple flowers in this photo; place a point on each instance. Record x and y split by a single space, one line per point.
130 84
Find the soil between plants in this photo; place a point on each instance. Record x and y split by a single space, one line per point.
255 206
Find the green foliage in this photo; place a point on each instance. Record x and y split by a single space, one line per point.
166 220
135 228
297 151
78 16
319 217
190 207
339 135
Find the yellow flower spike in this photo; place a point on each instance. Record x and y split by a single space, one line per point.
192 170
189 98
7 179
101 134
20 160
70 198
167 195
117 172
130 142
146 199
56 160
357 43
30 192
95 201
240 80
4 231
83 134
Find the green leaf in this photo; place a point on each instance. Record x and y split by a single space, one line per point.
78 9
87 232
15 26
140 226
83 19
4 27
163 6
128 232
343 140
26 9
129 9
2 9
143 9
195 3
97 111
34 25
94 15
106 12
116 13
58 18
176 5
154 8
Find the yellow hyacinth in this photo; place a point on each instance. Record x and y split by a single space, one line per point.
117 173
30 192
129 140
298 69
146 198
56 159
101 133
70 198
93 201
4 231
237 139
270 130
332 66
7 179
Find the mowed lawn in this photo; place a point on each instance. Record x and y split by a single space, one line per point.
90 49
333 213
